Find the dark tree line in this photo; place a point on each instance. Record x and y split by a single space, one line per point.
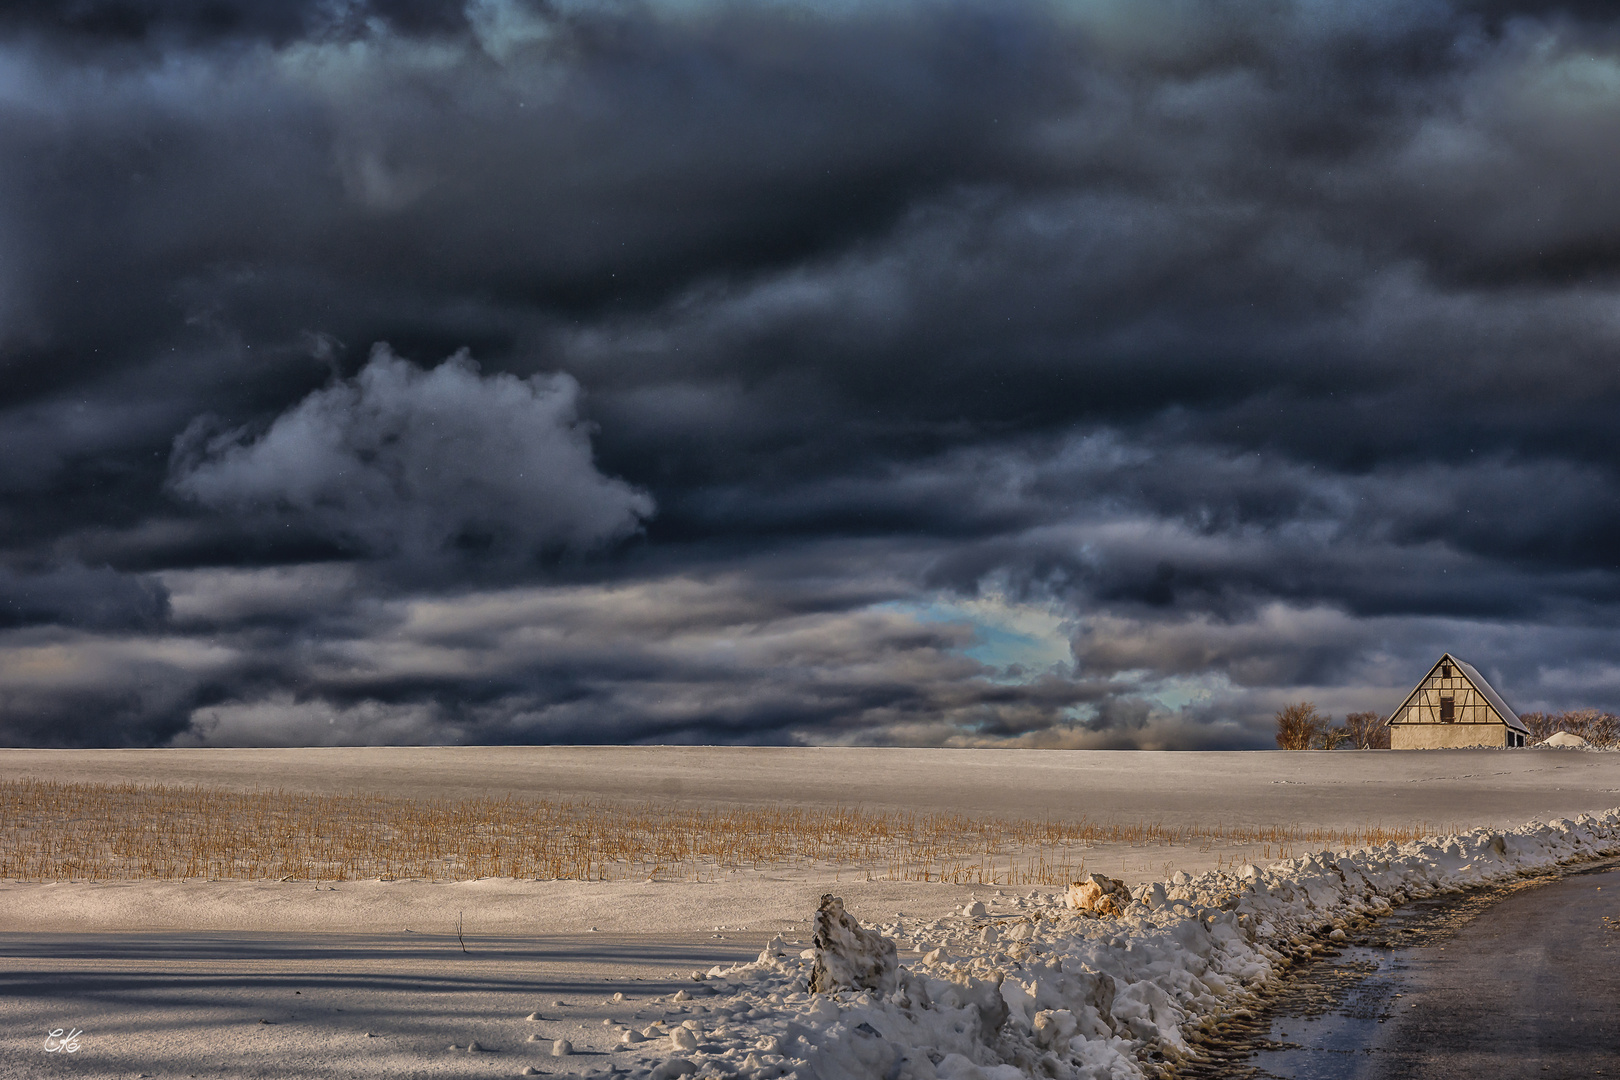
1597 728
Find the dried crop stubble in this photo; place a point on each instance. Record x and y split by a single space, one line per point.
52 831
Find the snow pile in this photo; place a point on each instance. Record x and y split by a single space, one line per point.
1031 986
848 957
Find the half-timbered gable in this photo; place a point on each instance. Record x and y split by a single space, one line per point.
1454 707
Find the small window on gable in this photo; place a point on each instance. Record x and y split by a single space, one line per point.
1448 710
1445 671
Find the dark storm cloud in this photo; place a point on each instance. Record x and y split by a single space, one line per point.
423 466
202 21
1093 374
74 596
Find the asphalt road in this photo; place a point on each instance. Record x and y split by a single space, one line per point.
1528 988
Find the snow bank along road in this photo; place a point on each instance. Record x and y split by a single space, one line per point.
1030 988
1016 986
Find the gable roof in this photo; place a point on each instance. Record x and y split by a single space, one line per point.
1485 689
1491 695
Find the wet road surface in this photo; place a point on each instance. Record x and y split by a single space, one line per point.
1502 984
1529 988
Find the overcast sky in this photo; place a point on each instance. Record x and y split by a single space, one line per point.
1096 374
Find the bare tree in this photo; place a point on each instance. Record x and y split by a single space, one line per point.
1605 729
1577 722
1540 725
1367 730
1300 726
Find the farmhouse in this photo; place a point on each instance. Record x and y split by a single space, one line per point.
1454 707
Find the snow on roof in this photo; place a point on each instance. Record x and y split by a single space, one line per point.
1486 690
1491 695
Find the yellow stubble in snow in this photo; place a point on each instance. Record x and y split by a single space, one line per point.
52 831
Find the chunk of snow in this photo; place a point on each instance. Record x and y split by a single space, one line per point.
1103 895
849 957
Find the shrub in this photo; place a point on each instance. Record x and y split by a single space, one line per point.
1300 726
1597 728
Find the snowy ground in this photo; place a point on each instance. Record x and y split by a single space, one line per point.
1481 787
181 1004
173 979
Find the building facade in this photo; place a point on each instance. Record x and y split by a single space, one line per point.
1454 707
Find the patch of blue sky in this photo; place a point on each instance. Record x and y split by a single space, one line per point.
1175 693
1180 691
1021 641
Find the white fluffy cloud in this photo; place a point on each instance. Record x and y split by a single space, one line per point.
421 464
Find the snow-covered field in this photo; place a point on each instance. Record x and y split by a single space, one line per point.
1432 791
1274 787
1021 983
